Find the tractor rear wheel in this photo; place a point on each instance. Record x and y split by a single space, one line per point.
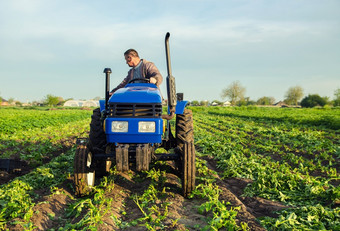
97 141
97 134
84 175
185 146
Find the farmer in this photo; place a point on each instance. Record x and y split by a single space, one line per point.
141 69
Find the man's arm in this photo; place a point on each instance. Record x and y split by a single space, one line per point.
122 84
153 73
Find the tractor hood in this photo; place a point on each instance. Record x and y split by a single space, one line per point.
137 93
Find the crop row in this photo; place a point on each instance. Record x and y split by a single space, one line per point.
302 117
288 162
17 197
310 151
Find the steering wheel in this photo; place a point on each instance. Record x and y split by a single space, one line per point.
140 79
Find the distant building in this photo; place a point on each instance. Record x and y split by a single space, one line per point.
4 102
281 104
226 104
91 103
72 103
81 103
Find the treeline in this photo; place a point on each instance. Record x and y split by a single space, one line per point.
294 96
234 93
48 101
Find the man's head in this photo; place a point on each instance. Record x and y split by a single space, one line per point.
131 57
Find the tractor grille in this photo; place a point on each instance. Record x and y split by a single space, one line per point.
135 110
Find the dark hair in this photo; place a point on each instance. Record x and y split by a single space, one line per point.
131 52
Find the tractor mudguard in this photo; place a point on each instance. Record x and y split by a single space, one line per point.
180 106
102 105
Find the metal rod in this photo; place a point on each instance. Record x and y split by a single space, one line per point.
167 51
170 82
107 72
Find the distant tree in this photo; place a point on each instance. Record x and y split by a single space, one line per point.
18 103
51 100
336 101
204 103
313 101
234 92
36 103
217 102
337 93
61 101
195 103
293 95
327 100
251 102
241 103
265 100
245 102
11 101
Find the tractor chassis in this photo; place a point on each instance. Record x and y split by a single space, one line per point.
123 154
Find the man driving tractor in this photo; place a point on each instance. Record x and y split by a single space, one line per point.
140 69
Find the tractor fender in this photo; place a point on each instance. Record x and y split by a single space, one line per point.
102 105
180 107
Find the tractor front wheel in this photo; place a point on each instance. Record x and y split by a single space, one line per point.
84 175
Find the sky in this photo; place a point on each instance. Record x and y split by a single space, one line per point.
61 47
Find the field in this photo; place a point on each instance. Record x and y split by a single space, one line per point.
257 169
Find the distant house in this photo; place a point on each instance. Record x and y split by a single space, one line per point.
281 104
4 102
226 104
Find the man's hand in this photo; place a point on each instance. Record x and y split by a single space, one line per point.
153 80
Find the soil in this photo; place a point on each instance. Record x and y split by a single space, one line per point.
50 211
8 176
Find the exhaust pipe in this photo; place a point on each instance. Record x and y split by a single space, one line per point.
170 82
107 72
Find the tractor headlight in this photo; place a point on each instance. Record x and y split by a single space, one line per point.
144 126
120 126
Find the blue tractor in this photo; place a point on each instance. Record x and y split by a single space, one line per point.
129 126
